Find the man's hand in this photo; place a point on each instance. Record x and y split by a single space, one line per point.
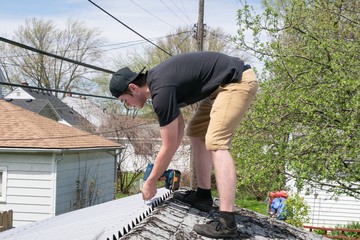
149 190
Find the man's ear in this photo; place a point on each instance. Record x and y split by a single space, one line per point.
132 87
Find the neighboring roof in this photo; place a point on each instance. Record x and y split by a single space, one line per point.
34 105
64 111
109 220
163 218
37 106
21 128
93 113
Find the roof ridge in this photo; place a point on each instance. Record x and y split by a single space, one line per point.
155 202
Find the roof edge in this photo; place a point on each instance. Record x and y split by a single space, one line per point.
54 150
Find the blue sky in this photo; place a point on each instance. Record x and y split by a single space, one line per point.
151 18
161 17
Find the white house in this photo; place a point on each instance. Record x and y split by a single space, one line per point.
142 147
329 212
326 211
91 112
47 168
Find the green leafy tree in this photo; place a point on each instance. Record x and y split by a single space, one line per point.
76 42
305 122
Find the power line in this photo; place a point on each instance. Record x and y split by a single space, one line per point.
127 44
129 28
54 55
151 14
55 90
172 11
185 14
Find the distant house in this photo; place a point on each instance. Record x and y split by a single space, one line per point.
142 141
47 105
328 212
88 110
48 168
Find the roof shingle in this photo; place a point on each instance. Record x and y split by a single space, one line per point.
24 129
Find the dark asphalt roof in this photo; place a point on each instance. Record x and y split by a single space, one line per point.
175 220
64 111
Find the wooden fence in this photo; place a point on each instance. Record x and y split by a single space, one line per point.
6 220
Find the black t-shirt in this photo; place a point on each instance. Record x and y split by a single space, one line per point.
188 78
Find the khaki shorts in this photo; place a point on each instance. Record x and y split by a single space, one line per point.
219 115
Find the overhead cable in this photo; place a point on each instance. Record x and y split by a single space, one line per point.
55 90
125 45
151 14
54 55
172 11
129 28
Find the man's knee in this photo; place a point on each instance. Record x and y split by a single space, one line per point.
213 144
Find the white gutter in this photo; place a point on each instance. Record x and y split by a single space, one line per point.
55 150
53 181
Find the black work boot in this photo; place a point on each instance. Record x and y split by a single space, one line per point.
189 196
215 229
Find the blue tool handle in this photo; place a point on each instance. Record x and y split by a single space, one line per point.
148 171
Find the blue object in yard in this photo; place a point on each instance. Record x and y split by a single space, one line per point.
278 208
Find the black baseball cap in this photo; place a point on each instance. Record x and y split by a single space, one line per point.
121 80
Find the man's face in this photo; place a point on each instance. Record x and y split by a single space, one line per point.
135 99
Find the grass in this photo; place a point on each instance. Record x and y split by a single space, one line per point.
247 203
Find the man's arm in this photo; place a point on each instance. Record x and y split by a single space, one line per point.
171 136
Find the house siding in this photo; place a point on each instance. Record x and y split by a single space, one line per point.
132 162
327 212
84 167
29 186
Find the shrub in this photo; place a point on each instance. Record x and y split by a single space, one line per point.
352 225
297 209
318 231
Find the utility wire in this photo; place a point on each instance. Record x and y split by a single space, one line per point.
124 45
186 14
182 11
129 28
54 55
55 90
151 14
172 11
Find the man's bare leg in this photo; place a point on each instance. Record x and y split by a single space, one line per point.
202 162
225 174
201 198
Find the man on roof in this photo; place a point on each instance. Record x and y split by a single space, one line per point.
224 87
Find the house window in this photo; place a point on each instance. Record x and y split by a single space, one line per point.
3 180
